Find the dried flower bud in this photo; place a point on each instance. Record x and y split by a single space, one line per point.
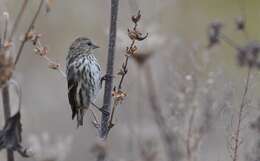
44 51
36 38
132 34
29 36
214 31
136 35
6 68
54 66
131 51
137 17
240 23
7 45
119 95
37 50
248 55
128 51
122 72
141 37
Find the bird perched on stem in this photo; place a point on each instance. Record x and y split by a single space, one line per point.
83 76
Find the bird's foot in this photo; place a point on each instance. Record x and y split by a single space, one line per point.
105 77
101 109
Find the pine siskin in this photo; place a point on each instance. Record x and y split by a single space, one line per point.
83 76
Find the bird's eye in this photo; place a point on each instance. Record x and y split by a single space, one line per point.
89 43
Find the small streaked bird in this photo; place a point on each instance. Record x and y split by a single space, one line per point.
83 76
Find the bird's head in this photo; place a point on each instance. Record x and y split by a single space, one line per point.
83 45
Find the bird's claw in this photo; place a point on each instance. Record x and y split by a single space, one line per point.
101 109
105 77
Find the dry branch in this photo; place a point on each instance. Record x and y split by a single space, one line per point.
110 68
31 26
237 137
7 45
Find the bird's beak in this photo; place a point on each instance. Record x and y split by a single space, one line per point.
95 46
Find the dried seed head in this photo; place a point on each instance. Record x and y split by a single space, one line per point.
29 35
7 45
241 56
240 23
54 66
137 17
214 31
119 95
6 68
136 35
249 54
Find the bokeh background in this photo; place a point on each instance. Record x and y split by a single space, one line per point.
178 37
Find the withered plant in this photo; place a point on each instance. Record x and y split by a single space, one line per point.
247 56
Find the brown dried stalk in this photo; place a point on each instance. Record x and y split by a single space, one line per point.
31 26
7 71
103 132
42 51
189 135
131 51
7 44
236 138
247 55
17 20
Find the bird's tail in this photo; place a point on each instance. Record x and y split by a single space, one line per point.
80 116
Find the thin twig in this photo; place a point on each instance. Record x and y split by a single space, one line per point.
5 92
28 31
6 20
124 66
229 41
131 51
189 135
17 20
111 124
240 113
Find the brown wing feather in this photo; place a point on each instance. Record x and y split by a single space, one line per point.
72 86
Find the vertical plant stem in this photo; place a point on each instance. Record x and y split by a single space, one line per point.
169 140
31 26
240 114
7 114
105 117
189 135
17 20
110 67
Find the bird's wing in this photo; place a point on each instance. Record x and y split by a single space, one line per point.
72 91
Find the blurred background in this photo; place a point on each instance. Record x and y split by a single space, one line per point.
189 78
